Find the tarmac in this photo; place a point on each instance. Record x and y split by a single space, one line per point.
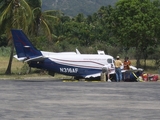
48 99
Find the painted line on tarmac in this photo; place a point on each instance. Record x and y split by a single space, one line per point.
78 81
70 81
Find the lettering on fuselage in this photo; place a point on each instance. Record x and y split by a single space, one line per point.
69 70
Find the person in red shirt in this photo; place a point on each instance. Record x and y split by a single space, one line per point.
126 65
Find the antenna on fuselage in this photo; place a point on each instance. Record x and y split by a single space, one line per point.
77 51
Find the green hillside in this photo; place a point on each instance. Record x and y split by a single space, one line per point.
73 7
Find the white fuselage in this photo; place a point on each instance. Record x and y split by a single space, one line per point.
80 60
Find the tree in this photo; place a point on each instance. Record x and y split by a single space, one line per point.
104 14
43 20
135 23
46 25
15 14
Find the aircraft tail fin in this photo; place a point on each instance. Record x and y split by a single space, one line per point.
24 48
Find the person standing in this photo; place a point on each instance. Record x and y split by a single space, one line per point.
108 72
126 65
118 63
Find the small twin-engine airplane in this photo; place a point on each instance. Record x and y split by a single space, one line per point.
67 63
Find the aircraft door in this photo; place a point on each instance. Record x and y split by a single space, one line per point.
112 66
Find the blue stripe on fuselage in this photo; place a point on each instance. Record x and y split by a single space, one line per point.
49 65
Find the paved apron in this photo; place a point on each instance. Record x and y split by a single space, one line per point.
57 100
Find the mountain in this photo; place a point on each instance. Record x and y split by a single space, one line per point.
74 7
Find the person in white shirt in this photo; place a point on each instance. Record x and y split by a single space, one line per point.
108 71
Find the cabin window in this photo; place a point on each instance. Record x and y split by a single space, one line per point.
109 60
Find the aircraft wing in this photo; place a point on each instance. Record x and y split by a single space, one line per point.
133 69
96 75
39 58
93 75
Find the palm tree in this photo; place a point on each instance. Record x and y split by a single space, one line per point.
43 20
15 14
26 15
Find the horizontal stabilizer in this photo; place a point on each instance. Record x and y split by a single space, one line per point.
20 59
39 58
